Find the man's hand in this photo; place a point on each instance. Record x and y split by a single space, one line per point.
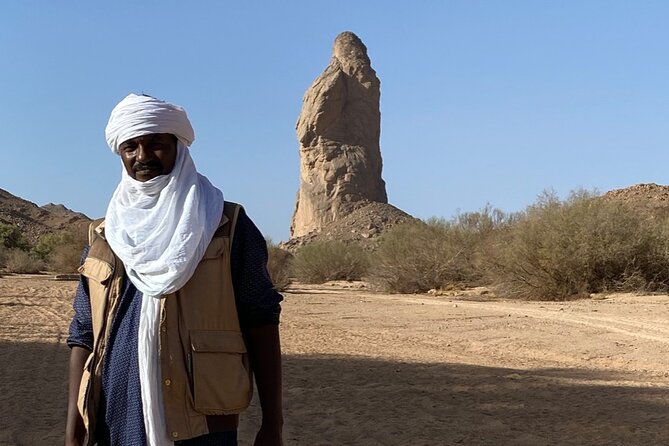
75 431
265 354
74 441
269 436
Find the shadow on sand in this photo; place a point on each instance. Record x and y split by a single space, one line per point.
339 400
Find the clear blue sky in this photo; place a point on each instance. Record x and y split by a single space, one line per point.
481 101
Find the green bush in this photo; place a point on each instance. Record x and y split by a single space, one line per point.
22 262
278 265
47 242
11 237
559 249
319 262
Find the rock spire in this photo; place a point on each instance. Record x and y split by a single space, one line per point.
338 132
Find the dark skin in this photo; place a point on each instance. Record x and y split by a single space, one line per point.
146 157
75 431
264 349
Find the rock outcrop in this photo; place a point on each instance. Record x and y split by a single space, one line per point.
362 226
338 131
647 199
35 221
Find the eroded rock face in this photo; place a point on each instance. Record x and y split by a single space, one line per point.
338 131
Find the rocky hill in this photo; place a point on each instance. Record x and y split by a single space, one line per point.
650 198
34 220
364 225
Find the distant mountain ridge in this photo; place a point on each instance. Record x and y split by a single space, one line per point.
35 221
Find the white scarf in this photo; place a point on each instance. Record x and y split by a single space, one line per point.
160 230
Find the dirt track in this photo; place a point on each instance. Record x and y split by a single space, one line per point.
372 369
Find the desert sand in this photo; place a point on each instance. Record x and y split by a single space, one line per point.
363 368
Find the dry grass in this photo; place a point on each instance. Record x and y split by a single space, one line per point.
22 262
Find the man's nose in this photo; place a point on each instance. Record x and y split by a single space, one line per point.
143 153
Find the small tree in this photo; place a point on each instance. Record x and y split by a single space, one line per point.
12 238
48 242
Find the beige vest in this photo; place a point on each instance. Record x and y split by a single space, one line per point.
207 379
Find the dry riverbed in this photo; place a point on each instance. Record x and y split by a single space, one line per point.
363 368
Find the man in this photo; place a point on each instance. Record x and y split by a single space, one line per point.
175 306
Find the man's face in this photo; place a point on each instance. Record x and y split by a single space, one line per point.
149 156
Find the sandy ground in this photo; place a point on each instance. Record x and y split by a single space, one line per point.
372 369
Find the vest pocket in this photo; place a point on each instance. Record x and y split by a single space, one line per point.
221 373
96 269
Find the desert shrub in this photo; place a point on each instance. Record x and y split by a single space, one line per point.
3 255
46 243
418 256
11 237
558 249
22 262
61 251
319 262
481 224
278 265
66 258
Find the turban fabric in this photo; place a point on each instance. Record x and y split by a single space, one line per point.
142 115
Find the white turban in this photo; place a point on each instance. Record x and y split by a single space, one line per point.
160 229
142 115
